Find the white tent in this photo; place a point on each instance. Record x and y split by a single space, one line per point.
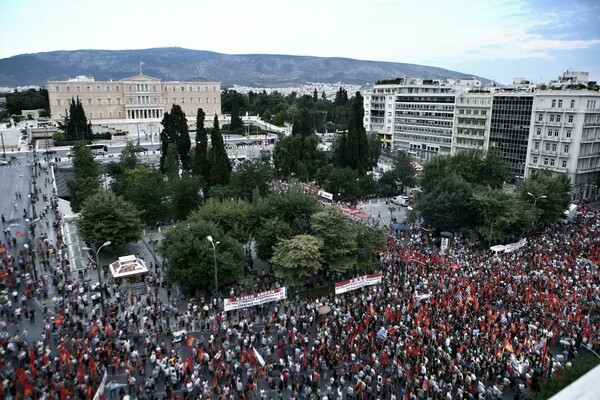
128 266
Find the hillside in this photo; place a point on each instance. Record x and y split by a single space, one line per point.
174 63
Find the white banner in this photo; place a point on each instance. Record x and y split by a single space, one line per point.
235 303
509 248
100 390
357 283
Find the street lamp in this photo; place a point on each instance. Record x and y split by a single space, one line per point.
214 245
3 149
107 243
153 243
32 195
536 198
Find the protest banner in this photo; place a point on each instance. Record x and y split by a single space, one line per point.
235 303
357 283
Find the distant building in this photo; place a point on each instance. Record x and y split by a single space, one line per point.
532 127
509 129
136 99
565 137
412 115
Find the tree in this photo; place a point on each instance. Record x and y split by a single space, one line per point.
200 156
297 259
218 160
231 216
448 205
250 175
191 255
184 196
266 116
32 99
129 157
282 215
171 163
352 149
370 240
236 122
147 191
106 216
87 176
496 211
175 131
75 124
553 194
335 229
402 175
279 118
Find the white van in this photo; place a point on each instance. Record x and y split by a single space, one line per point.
400 200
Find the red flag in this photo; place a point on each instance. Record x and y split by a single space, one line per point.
108 329
59 320
28 389
244 354
19 234
94 329
80 373
200 357
508 346
92 367
190 341
64 394
2 249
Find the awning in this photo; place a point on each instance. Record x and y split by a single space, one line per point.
127 266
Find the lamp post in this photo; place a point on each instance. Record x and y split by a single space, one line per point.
32 195
3 149
214 245
536 198
107 243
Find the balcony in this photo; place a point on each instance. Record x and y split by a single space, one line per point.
535 151
549 152
551 138
565 139
562 154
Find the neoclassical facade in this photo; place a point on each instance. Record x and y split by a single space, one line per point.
138 98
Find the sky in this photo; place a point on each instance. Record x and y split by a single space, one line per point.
496 39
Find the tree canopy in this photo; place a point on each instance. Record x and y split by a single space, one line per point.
191 255
106 216
75 124
175 131
297 259
87 176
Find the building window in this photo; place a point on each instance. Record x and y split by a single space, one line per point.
537 145
183 89
554 147
564 163
560 104
68 88
182 100
556 133
566 148
558 118
118 100
89 89
120 114
59 102
539 132
99 101
79 88
552 163
551 117
110 114
215 100
570 119
89 101
540 117
109 101
535 160
97 88
101 114
572 103
549 132
553 103
547 146
91 115
58 88
108 88
568 134
483 112
545 161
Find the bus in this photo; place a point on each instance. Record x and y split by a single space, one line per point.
97 149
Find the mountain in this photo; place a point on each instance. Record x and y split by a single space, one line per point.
174 63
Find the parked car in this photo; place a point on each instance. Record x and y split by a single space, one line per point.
400 200
140 149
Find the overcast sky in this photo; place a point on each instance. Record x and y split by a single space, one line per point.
496 39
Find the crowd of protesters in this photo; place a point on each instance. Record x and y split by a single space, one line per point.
466 324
